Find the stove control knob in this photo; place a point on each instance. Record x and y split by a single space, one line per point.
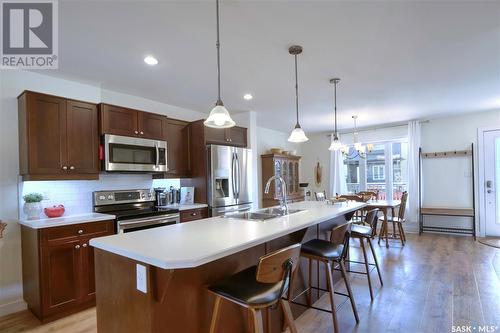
143 196
102 197
110 197
149 195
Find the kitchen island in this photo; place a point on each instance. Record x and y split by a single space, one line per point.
180 261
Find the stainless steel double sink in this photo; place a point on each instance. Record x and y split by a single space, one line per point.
264 214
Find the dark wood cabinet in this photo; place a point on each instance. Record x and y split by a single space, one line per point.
57 138
58 268
286 166
119 120
194 214
177 135
61 264
82 137
150 125
234 136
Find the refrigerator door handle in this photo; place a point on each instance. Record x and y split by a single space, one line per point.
233 175
238 176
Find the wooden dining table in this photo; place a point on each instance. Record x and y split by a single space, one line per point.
384 206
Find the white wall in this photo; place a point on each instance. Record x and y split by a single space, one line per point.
13 83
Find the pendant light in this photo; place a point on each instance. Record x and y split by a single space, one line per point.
357 145
297 134
336 144
219 116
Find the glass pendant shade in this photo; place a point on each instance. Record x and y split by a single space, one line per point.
219 118
336 144
298 135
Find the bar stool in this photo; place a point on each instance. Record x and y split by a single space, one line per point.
259 287
363 232
330 253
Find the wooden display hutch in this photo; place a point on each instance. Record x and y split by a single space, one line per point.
287 166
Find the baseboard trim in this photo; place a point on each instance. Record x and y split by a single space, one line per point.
16 306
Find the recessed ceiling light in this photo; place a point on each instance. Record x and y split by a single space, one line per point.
150 60
247 97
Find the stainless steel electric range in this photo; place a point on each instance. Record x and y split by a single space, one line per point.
134 209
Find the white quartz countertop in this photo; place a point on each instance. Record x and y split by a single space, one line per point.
66 220
182 207
188 245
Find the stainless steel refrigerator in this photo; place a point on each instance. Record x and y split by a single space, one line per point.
229 179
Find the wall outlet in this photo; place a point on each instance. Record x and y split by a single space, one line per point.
142 283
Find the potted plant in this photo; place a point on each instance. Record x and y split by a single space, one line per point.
32 206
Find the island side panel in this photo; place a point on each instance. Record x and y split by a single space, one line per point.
120 306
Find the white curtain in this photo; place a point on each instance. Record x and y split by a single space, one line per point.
413 161
337 178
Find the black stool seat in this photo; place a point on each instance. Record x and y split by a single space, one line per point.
243 288
361 231
322 248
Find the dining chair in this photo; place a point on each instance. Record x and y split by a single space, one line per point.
398 220
320 196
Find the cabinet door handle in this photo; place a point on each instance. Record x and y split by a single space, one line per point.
80 231
136 132
142 133
84 245
77 246
72 168
65 168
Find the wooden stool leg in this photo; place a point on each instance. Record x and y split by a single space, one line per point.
376 261
258 324
331 293
349 291
367 267
288 315
215 314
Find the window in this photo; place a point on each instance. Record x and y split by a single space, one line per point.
384 169
378 172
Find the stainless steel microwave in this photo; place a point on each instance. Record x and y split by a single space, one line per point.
129 154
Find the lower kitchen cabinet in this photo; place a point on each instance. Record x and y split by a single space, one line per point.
58 268
194 214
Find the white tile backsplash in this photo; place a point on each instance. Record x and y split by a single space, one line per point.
76 195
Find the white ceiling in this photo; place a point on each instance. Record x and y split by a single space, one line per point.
398 60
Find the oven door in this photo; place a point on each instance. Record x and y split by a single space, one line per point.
147 222
123 153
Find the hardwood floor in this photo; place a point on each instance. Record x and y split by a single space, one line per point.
432 283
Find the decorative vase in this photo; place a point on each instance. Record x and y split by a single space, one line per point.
32 210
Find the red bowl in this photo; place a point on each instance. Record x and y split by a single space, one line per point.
54 211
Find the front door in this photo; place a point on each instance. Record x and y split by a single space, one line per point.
492 182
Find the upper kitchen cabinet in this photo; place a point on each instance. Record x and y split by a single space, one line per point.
177 135
234 136
129 122
58 138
